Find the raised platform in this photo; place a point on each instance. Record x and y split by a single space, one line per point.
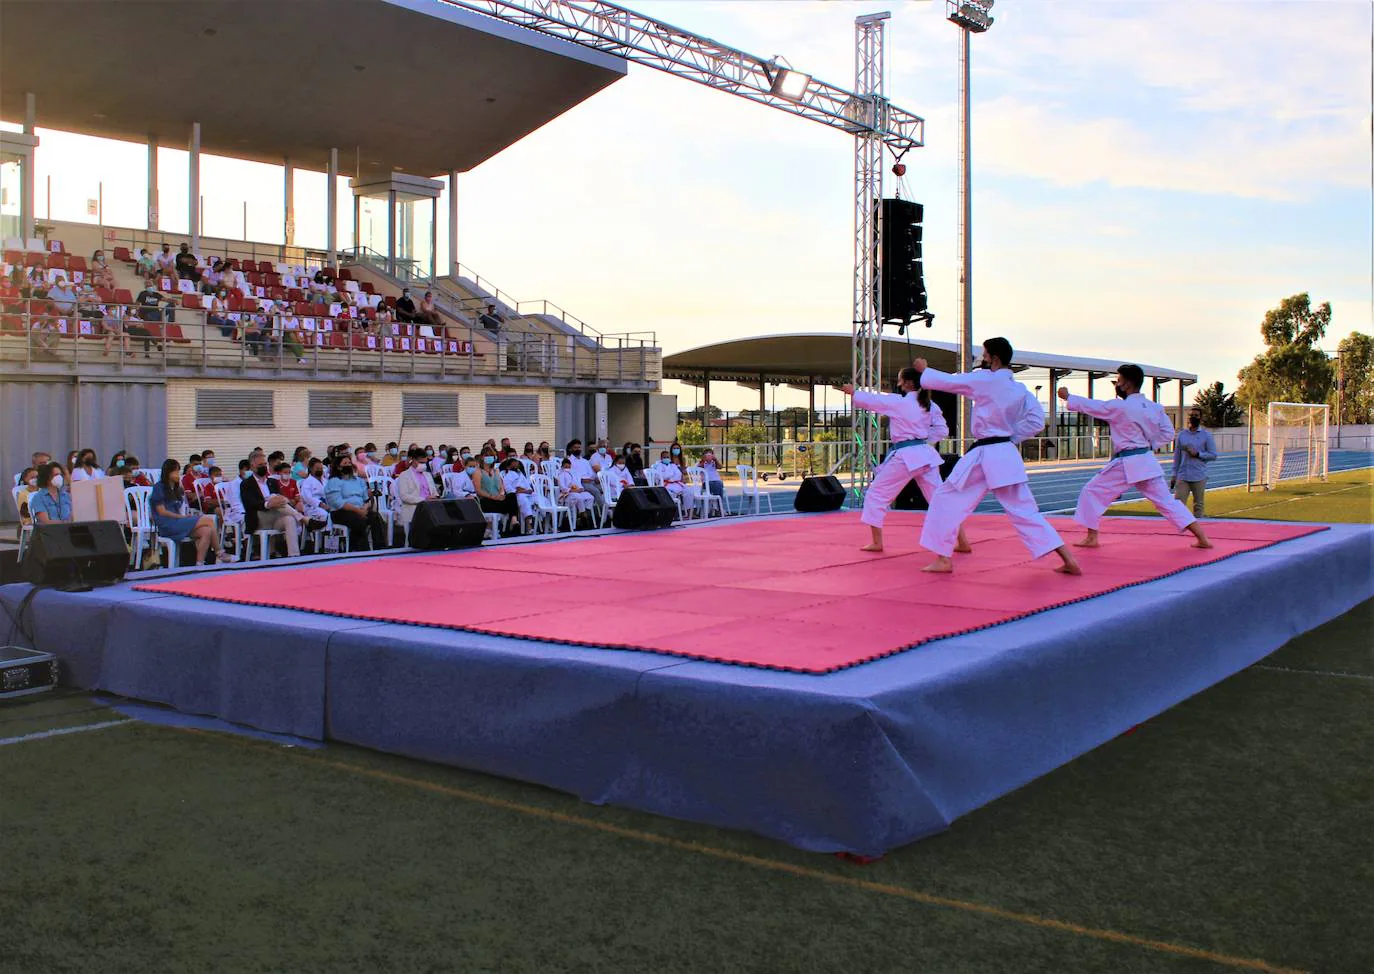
863 759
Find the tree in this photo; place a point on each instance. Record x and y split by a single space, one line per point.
712 413
1355 357
1292 368
794 417
690 432
1219 409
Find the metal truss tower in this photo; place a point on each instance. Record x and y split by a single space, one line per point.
864 113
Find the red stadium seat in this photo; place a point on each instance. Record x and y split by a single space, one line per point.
14 257
122 296
345 275
173 334
302 308
389 301
35 260
191 301
367 287
11 325
278 294
57 262
106 295
76 263
295 294
122 253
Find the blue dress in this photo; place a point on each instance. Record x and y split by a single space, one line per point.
172 528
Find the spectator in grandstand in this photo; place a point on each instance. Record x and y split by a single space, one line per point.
186 266
99 273
253 331
167 262
312 492
87 467
429 311
265 507
405 308
146 265
384 326
112 327
62 296
89 308
491 319
35 284
571 492
50 502
491 489
1194 448
288 330
347 497
176 521
211 278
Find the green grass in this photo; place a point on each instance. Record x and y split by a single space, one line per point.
1345 498
1237 823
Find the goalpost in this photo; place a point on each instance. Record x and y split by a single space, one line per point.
1289 443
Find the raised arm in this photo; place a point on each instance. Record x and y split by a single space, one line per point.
962 383
886 403
1097 408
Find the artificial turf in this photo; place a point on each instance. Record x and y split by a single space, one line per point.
1344 498
1237 823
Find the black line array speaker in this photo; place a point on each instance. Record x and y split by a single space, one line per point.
447 524
818 494
641 508
911 498
903 286
81 554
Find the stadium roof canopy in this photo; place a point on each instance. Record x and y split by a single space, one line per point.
824 359
412 85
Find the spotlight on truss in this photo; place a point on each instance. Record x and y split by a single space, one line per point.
972 15
785 82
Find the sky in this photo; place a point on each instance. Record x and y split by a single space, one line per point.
1148 179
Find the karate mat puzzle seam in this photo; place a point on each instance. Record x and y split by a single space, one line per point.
487 630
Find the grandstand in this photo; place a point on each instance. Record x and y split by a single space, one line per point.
295 323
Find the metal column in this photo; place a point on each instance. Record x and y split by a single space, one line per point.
965 231
27 202
331 216
152 182
288 203
193 188
453 224
867 353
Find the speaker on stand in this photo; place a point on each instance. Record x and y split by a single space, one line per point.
818 494
446 524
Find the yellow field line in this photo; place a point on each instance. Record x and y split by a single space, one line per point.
901 892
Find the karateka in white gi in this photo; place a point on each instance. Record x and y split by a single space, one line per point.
915 424
1005 412
1139 426
571 493
519 484
675 482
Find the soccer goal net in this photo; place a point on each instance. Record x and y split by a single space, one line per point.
1290 443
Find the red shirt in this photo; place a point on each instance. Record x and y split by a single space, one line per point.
289 489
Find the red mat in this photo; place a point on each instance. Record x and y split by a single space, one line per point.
793 594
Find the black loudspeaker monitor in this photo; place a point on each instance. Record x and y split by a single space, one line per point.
902 284
641 508
820 494
76 555
911 498
447 524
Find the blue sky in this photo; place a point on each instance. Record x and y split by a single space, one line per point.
1149 178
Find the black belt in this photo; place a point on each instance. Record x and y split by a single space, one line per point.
989 441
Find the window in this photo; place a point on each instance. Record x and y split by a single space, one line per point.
512 409
429 408
331 408
229 408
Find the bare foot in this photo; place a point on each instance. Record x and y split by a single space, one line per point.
964 548
1085 543
940 566
1202 543
1070 566
872 547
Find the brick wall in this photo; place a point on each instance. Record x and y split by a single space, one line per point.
292 429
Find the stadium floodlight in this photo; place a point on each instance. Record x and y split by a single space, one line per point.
785 81
971 15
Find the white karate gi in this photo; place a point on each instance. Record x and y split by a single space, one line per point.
586 477
516 480
576 501
674 483
1001 407
908 420
1136 423
458 484
619 478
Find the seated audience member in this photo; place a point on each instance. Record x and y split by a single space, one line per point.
185 263
528 453
518 484
572 494
100 274
491 490
312 493
429 311
543 452
253 332
413 488
347 497
405 308
385 324
710 470
289 333
28 484
601 458
287 486
152 307
212 277
194 470
167 263
634 462
673 480
265 507
300 463
463 484
582 470
63 297
50 502
619 477
218 313
491 319
209 497
176 521
145 266
87 467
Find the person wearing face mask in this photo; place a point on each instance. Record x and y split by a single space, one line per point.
710 472
1194 449
219 313
461 484
265 507
601 457
177 521
50 503
1005 412
491 490
413 488
87 468
618 477
583 471
673 480
572 495
194 470
916 423
312 493
521 487
634 461
346 495
1139 426
28 484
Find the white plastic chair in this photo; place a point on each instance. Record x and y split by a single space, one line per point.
653 478
230 514
546 504
610 491
330 528
386 501
705 499
143 530
749 489
530 469
453 485
551 468
25 526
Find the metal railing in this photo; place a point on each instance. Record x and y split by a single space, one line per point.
331 347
